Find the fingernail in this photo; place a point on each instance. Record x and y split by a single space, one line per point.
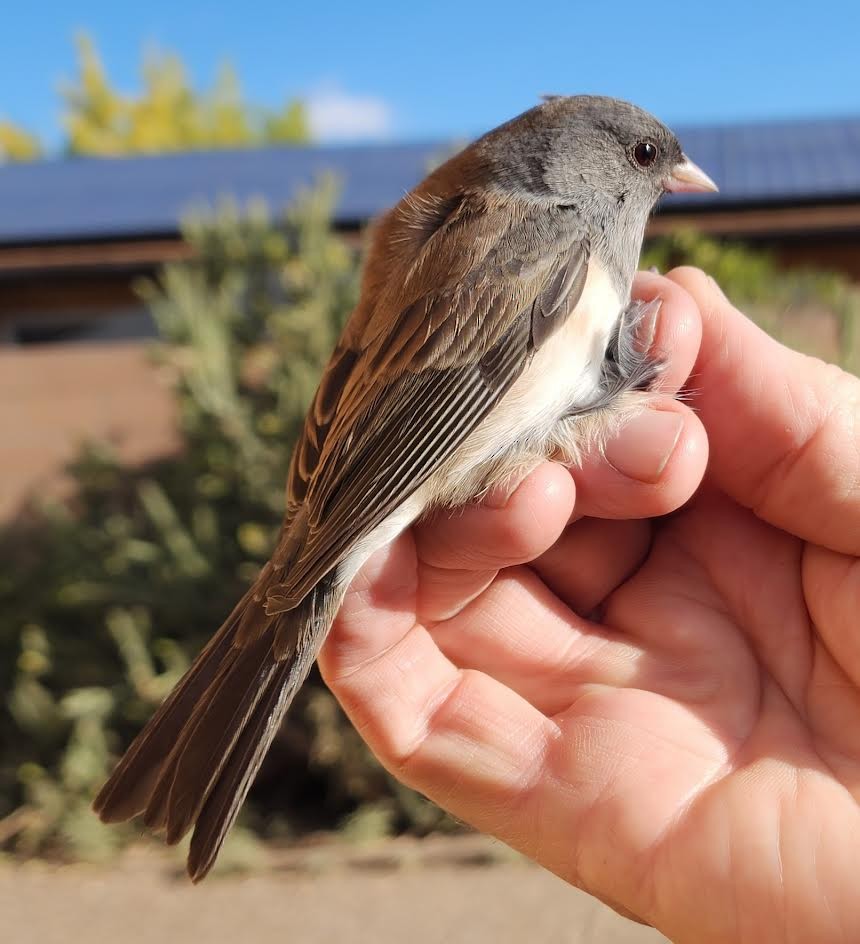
654 270
644 446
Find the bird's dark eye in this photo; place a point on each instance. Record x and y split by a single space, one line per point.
645 153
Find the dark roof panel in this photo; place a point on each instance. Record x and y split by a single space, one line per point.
791 160
93 198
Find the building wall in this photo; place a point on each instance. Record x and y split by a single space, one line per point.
55 397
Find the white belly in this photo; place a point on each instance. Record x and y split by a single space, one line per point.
564 373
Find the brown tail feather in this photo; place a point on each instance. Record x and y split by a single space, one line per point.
127 791
207 738
196 759
224 802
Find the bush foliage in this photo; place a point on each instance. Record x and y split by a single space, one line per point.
103 604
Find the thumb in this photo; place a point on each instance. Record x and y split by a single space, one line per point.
783 428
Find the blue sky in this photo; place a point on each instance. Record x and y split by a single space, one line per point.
435 69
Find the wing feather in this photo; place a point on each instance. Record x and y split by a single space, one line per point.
413 396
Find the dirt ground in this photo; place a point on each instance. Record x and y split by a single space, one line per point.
435 892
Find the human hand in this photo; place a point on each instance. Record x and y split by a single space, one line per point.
690 753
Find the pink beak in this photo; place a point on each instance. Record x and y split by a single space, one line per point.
687 177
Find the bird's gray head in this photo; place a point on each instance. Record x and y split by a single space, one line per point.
570 146
606 158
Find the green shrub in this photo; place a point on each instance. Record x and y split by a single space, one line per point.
103 604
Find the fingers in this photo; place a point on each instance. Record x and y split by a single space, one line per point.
521 634
591 559
451 559
649 468
783 428
459 553
510 625
429 722
505 529
471 742
678 331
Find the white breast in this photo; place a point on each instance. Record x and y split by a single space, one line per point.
563 374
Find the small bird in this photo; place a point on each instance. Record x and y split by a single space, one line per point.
494 329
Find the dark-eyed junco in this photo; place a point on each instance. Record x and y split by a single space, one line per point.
494 329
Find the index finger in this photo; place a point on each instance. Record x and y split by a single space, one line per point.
783 427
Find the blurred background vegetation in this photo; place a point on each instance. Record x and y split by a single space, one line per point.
105 600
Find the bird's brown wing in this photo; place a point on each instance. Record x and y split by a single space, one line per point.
410 385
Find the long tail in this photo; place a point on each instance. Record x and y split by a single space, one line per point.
195 760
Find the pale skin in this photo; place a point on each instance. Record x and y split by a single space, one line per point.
691 753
